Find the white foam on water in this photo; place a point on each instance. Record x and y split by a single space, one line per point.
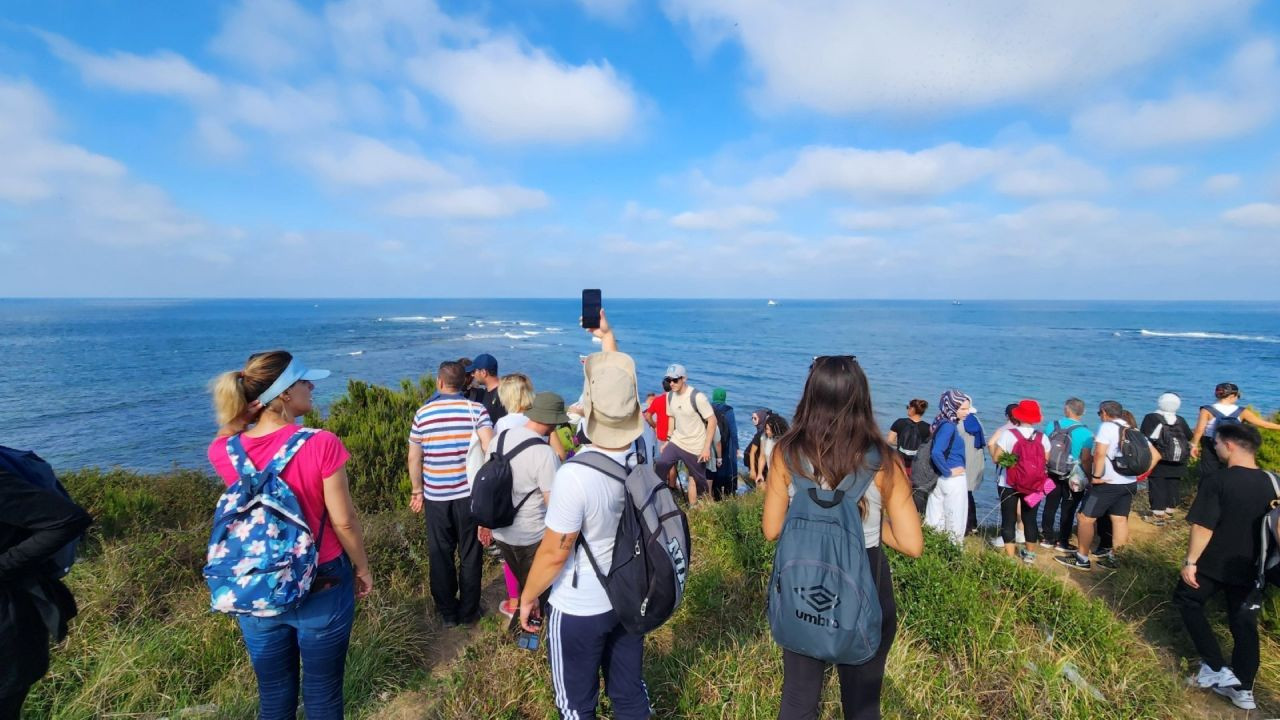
1201 335
406 318
355 353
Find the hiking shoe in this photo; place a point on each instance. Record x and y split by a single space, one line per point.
1065 547
1108 561
1208 677
997 542
1046 544
1101 552
1074 561
1027 556
1238 696
1157 520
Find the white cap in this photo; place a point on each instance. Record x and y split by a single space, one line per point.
676 370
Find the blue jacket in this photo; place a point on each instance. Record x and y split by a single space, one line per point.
729 435
948 449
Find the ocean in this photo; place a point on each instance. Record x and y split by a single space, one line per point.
123 382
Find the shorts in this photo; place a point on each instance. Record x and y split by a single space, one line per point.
1108 499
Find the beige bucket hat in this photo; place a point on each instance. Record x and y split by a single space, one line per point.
610 400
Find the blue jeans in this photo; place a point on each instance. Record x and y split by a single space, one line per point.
317 633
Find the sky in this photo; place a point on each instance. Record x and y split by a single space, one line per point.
680 148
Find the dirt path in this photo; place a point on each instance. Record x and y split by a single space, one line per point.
447 648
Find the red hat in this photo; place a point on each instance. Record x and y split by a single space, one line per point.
1027 411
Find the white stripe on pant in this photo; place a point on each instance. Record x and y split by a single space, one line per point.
948 506
580 647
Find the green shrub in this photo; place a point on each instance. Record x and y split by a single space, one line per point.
124 503
373 422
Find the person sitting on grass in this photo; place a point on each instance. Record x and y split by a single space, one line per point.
1222 558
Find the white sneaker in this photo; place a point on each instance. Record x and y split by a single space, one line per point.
1020 537
1238 696
997 542
1210 678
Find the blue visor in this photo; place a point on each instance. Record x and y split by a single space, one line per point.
292 374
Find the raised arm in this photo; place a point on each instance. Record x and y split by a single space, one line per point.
1254 418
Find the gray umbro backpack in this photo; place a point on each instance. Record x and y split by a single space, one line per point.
823 602
651 552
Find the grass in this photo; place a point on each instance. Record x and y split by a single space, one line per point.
979 636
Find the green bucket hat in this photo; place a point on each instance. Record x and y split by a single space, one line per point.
547 408
719 395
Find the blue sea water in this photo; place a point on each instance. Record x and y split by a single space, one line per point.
123 382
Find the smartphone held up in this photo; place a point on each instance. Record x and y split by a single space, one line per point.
590 309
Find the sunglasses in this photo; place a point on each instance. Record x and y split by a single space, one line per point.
673 380
816 358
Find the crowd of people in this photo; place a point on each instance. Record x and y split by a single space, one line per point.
495 465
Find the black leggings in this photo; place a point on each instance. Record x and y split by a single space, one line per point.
1210 463
1060 511
1009 501
802 677
1163 491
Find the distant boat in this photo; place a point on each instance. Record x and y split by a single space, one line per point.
955 302
773 302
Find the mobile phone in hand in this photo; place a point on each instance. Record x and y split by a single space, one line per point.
529 640
590 309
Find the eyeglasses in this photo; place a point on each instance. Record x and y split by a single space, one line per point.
673 380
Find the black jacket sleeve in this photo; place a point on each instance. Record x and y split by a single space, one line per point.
40 523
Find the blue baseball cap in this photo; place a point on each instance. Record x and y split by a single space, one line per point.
292 374
485 362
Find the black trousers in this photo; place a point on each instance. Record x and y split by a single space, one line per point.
802 677
1010 499
455 587
1060 511
1163 490
1242 617
971 526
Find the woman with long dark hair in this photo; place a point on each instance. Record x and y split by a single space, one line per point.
833 436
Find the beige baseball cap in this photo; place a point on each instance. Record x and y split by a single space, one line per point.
610 400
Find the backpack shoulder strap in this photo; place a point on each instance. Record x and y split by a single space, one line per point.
531 442
1215 412
602 463
1275 484
290 448
239 458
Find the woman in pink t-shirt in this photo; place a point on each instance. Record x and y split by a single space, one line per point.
261 403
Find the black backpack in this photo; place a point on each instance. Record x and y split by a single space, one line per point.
1171 442
491 501
1133 454
924 476
909 441
32 468
651 550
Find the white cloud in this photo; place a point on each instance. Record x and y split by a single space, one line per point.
1254 215
895 218
1056 216
1155 177
1221 183
1243 99
505 92
728 218
164 73
1037 171
62 190
364 161
922 56
1047 171
635 212
269 35
477 202
859 172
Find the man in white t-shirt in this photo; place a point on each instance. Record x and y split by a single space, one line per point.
1110 492
584 635
533 469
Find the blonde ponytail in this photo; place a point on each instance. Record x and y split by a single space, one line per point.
229 401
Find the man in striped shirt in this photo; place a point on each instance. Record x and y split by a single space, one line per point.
438 445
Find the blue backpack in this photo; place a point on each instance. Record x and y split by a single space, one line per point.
262 554
823 602
32 468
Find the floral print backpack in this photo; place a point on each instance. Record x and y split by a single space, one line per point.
262 554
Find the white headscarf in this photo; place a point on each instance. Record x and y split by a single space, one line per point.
1169 404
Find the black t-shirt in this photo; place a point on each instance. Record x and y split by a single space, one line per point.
489 398
1165 469
1232 503
902 428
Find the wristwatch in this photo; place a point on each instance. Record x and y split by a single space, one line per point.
1188 563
